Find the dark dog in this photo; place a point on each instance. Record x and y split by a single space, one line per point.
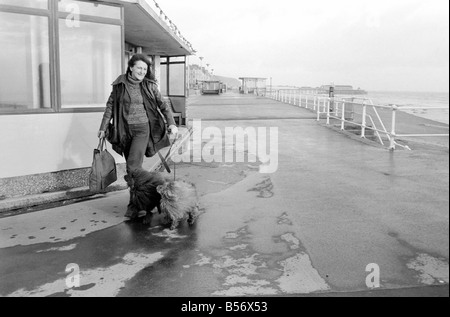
143 193
178 201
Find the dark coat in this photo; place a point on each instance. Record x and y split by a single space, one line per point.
158 112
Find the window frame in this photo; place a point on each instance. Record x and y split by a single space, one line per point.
55 2
41 13
167 64
83 18
54 15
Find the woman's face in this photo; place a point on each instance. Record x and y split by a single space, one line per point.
139 70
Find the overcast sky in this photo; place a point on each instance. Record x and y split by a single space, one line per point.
394 45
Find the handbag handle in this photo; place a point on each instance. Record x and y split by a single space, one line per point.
102 144
115 104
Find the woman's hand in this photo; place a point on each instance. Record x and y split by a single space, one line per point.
101 134
173 129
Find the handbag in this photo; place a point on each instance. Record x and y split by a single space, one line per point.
112 135
112 131
103 172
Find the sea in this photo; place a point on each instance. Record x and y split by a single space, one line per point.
421 100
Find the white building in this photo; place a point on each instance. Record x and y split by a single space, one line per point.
58 60
197 75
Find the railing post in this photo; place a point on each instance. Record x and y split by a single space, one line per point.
328 113
343 116
318 115
392 141
363 128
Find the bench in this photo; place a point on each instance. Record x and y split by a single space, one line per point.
177 116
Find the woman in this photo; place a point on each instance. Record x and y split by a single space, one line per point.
136 101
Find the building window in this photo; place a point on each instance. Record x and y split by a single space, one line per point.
176 79
35 4
24 62
163 83
173 76
58 54
90 60
89 9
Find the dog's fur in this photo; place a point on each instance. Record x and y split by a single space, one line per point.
179 201
143 193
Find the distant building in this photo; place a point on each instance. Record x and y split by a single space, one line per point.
341 90
197 75
253 85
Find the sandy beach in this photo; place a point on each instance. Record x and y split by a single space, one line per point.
438 115
421 101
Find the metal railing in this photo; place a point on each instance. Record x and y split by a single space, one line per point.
347 109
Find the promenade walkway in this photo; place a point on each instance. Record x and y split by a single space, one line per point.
334 214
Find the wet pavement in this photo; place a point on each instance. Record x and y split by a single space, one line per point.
333 207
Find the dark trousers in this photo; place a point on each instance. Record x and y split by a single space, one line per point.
135 149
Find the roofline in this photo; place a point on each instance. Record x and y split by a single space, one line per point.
145 7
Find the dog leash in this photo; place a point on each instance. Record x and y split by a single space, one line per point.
174 171
168 153
164 159
170 149
164 162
